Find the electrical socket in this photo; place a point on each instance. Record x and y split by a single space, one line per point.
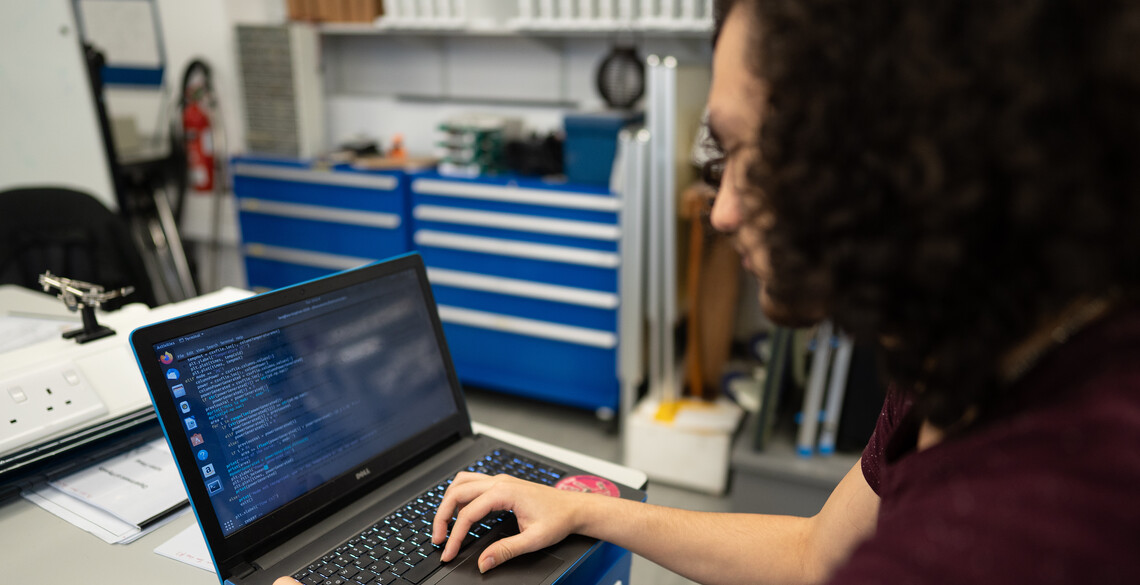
37 404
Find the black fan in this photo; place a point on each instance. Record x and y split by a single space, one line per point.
621 77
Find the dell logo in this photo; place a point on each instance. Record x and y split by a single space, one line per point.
362 473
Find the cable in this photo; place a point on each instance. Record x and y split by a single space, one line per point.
220 156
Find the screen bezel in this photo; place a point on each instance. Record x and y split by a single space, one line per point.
251 540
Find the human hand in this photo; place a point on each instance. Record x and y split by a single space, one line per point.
545 515
286 581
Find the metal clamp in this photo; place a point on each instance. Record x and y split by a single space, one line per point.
84 297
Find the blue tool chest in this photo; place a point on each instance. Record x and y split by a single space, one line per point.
525 273
299 223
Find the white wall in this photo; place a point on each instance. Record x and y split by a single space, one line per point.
380 85
204 29
49 131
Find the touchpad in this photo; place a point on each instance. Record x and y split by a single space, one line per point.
533 567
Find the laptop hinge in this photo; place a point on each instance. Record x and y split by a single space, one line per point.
243 570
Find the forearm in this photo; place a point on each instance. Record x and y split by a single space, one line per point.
703 546
706 547
740 548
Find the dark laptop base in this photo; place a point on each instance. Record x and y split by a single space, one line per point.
542 567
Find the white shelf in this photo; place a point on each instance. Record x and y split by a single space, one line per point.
678 29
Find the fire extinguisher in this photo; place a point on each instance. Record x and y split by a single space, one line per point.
196 130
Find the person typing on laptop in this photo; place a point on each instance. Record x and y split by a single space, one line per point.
955 184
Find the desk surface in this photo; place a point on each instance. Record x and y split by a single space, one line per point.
33 540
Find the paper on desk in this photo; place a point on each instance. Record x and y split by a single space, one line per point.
17 332
188 547
108 528
139 486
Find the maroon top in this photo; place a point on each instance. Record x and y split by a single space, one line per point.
1045 489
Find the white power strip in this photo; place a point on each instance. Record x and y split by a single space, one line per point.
39 403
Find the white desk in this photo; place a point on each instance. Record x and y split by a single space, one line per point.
107 364
32 541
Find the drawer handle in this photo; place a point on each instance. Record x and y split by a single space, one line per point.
518 222
528 327
305 257
523 288
374 219
549 198
343 179
517 249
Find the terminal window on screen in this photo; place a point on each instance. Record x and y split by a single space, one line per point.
277 404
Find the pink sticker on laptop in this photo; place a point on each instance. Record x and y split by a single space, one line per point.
590 484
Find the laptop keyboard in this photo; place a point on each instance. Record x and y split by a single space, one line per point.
398 549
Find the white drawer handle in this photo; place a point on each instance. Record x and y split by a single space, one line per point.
377 219
528 327
517 222
343 179
517 249
305 257
549 198
523 288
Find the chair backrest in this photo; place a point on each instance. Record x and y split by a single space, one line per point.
72 234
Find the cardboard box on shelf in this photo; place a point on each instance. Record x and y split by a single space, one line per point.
364 11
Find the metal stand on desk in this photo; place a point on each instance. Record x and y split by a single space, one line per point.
84 297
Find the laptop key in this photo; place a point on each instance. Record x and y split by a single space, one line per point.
364 578
423 568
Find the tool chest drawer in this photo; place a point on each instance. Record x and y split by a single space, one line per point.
298 222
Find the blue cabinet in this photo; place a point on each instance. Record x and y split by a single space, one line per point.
608 565
299 223
526 276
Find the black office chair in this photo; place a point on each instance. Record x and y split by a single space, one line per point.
73 235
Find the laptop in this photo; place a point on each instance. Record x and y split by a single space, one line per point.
315 427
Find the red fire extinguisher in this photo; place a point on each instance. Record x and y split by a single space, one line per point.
196 130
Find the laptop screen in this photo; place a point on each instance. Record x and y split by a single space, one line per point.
278 403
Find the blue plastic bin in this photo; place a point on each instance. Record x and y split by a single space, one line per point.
591 141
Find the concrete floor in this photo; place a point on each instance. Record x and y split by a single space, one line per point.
582 431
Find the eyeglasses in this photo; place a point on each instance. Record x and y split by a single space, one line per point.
708 155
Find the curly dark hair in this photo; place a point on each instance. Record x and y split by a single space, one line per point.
947 174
